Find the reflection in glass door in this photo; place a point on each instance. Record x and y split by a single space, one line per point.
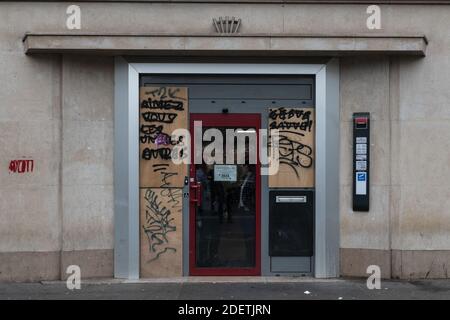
225 198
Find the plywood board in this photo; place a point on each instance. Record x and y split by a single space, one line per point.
161 232
162 110
296 147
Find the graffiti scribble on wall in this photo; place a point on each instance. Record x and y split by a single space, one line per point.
293 153
296 146
162 110
21 166
161 206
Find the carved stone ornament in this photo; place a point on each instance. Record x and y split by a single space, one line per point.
227 25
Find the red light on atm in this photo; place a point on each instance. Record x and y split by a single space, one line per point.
361 120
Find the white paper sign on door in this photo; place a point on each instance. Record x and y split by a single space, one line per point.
225 173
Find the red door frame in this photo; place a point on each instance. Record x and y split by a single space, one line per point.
233 121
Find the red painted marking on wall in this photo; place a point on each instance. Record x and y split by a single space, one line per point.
21 166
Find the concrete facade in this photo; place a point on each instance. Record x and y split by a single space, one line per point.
57 109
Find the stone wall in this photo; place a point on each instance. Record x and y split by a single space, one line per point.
58 112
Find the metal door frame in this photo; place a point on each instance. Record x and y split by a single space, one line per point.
126 154
219 120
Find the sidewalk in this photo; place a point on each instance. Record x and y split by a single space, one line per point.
229 288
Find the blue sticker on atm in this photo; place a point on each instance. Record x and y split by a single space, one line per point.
361 176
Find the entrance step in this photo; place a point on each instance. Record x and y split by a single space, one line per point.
205 279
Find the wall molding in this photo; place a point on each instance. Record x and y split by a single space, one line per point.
213 44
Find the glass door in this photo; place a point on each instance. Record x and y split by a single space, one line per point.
225 196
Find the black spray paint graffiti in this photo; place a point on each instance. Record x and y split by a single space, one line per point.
162 104
160 153
159 220
174 197
151 133
290 119
164 92
292 152
165 174
153 123
159 117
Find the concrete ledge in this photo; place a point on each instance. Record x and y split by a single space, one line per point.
29 266
354 262
420 264
207 44
397 264
96 263
52 265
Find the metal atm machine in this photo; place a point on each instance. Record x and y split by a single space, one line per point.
291 230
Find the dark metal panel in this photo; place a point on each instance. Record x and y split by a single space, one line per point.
253 92
361 161
291 223
224 79
291 264
244 106
243 87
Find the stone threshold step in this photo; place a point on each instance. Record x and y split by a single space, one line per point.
206 279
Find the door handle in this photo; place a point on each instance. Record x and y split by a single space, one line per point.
197 191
